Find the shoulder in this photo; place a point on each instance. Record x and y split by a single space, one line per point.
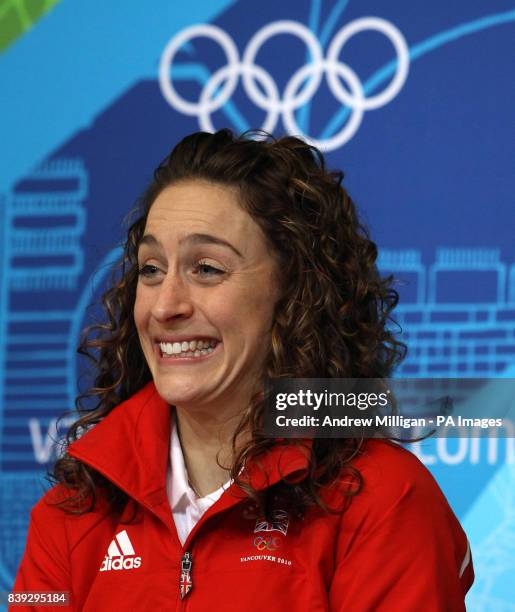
59 495
398 537
60 527
393 470
398 493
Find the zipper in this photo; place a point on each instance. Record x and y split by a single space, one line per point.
185 582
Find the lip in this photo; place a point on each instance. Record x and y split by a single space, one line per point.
182 338
171 361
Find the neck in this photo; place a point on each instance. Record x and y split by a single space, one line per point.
206 439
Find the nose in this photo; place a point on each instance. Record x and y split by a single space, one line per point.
173 299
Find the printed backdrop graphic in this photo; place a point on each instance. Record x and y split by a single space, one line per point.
413 100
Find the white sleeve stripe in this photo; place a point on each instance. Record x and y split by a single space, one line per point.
466 560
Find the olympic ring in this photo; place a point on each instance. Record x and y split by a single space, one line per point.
269 543
253 46
232 71
401 47
285 106
350 128
209 31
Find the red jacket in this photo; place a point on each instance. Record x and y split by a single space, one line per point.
398 547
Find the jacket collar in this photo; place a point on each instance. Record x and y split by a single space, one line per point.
131 445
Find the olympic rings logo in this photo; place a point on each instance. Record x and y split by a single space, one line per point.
226 78
266 543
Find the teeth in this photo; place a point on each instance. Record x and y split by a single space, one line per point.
187 349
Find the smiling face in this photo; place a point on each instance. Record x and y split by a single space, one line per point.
205 296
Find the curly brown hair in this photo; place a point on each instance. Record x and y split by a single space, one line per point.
332 319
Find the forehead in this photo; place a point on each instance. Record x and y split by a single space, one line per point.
199 205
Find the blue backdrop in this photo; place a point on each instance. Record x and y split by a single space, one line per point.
414 100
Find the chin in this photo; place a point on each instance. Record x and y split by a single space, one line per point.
177 392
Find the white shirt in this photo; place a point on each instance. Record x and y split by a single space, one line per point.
186 507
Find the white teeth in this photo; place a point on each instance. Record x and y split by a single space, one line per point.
188 349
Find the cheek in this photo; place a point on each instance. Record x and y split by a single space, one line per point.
263 308
252 319
141 309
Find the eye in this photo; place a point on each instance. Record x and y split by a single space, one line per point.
206 270
148 270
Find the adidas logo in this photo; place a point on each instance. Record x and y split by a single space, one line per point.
120 554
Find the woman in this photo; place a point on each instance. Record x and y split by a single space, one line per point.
247 261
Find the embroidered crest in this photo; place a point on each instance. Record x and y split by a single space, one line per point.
279 522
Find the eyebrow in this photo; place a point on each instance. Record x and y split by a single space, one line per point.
195 239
